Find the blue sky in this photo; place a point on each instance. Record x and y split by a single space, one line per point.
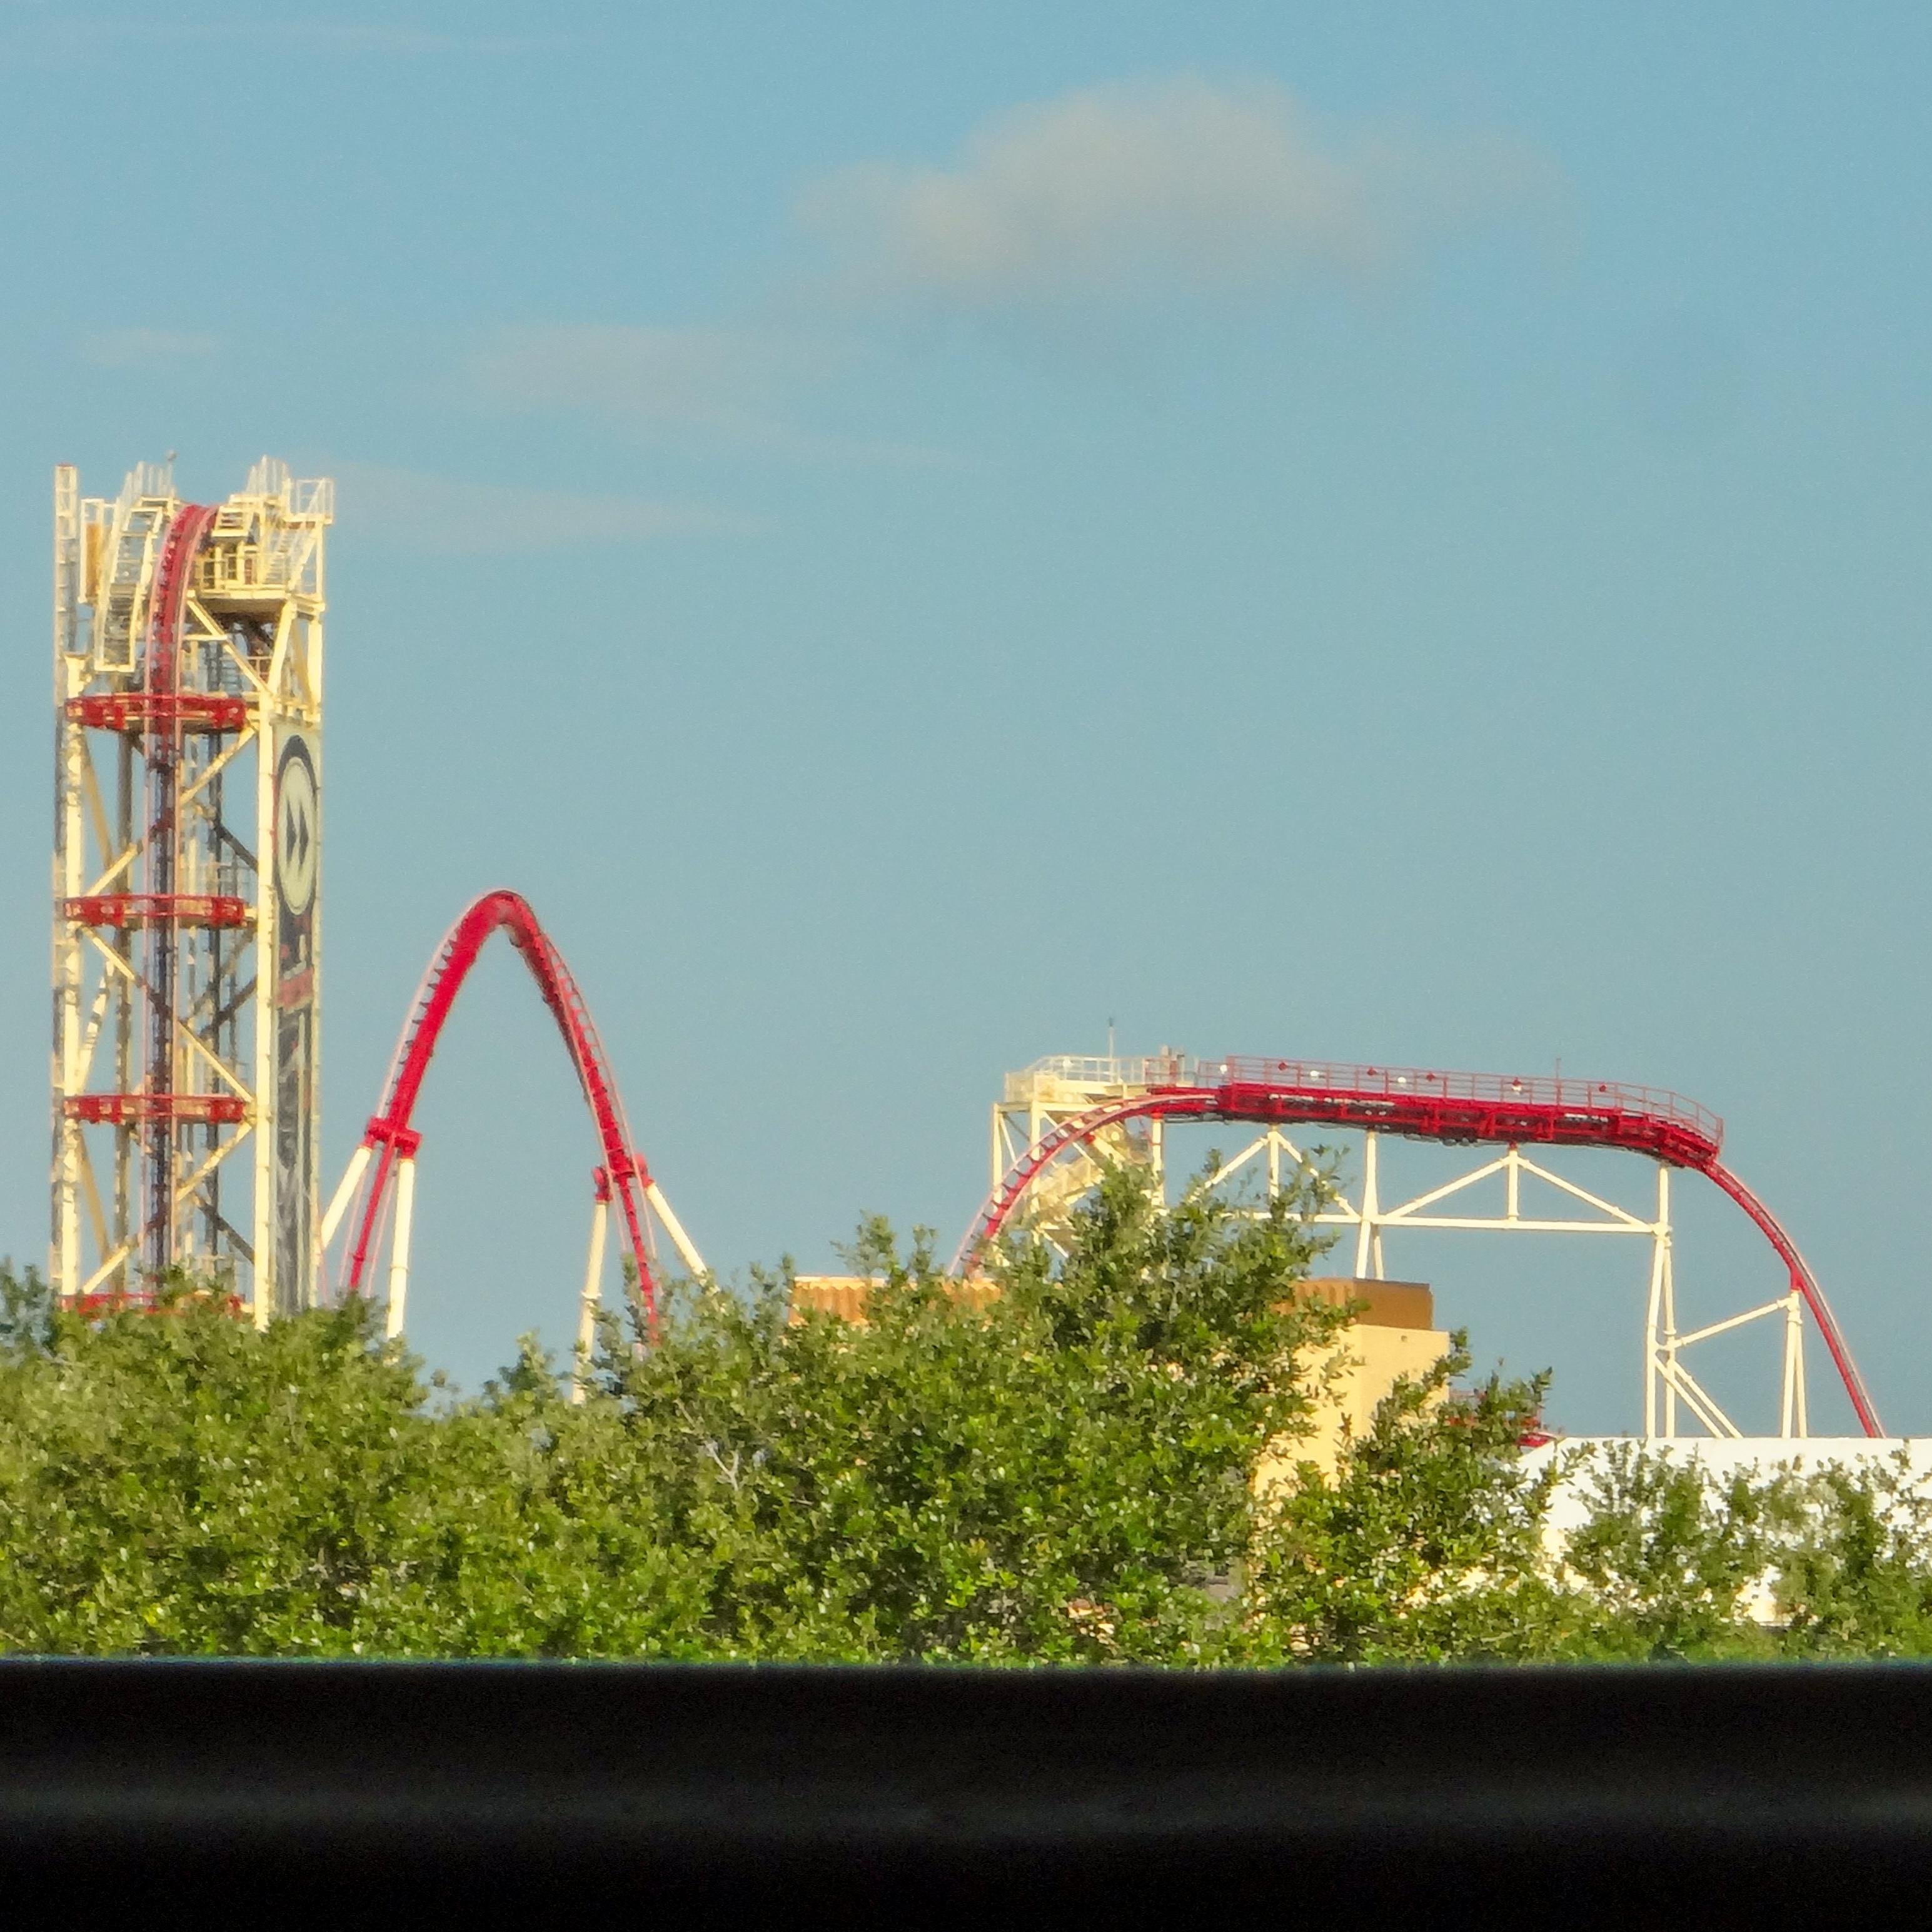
1379 532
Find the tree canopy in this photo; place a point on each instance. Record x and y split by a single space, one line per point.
1063 1473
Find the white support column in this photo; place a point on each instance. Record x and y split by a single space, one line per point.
686 1248
1274 1162
1654 1378
1368 1235
1513 1183
593 1287
1803 1415
1792 1419
69 880
345 1193
399 1248
263 1233
1669 1305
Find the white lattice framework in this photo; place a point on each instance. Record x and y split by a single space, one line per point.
187 692
1063 1086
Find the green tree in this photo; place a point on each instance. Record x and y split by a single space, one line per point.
1063 1472
1855 1579
1060 1473
1668 1558
1425 1543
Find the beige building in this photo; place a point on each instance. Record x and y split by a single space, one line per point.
844 1295
1394 1335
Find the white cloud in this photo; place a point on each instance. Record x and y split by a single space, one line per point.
407 510
719 380
719 385
1128 191
349 36
1178 186
141 348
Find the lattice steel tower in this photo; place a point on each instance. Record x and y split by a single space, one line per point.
187 913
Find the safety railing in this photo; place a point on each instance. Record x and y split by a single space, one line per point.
1555 1093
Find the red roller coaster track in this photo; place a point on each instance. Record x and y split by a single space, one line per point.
1452 1109
186 533
1457 1108
390 1134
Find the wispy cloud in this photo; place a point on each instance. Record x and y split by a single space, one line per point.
1126 192
408 510
724 385
29 30
142 348
351 37
722 380
1176 186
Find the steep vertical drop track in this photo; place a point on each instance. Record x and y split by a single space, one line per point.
187 532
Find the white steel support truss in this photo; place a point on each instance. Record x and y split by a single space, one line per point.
186 934
1053 1092
1671 1392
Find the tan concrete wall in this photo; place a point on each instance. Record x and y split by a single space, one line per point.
1366 1361
1392 1337
1391 1304
844 1295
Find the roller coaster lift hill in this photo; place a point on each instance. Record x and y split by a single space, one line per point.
187 971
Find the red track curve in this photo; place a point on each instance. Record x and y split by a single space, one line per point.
389 1133
1462 1108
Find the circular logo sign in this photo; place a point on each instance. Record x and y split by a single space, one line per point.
297 828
